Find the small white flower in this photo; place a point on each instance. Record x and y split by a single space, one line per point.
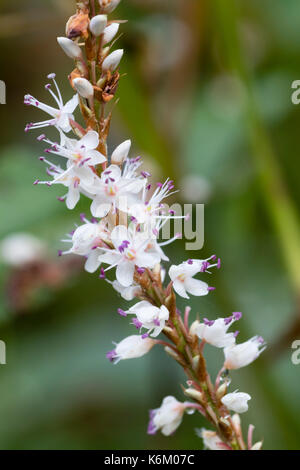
98 24
112 61
149 317
241 355
70 48
130 251
87 241
19 249
215 332
61 116
236 401
183 281
167 418
211 440
81 152
110 32
130 348
83 87
107 6
113 190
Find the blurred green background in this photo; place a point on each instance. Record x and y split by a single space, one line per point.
206 99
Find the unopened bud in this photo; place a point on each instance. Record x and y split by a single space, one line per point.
112 61
107 6
110 32
98 24
195 394
222 390
196 362
174 355
70 48
121 153
257 446
194 327
236 422
83 87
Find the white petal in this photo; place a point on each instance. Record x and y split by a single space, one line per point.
71 105
72 197
90 140
124 273
100 207
92 263
179 288
196 287
119 235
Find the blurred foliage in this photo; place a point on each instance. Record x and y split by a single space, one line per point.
187 117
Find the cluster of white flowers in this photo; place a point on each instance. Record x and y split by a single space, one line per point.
127 215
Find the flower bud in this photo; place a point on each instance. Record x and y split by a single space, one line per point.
112 61
110 32
107 6
257 446
70 48
236 401
194 327
221 391
195 394
83 87
98 24
121 153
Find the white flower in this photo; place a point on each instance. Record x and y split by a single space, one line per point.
167 418
183 281
236 401
113 190
215 332
127 293
130 348
149 317
83 87
70 48
61 116
130 251
241 355
81 152
211 440
107 6
112 61
110 32
19 249
98 24
87 241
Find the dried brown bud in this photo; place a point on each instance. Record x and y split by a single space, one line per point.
78 25
110 88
